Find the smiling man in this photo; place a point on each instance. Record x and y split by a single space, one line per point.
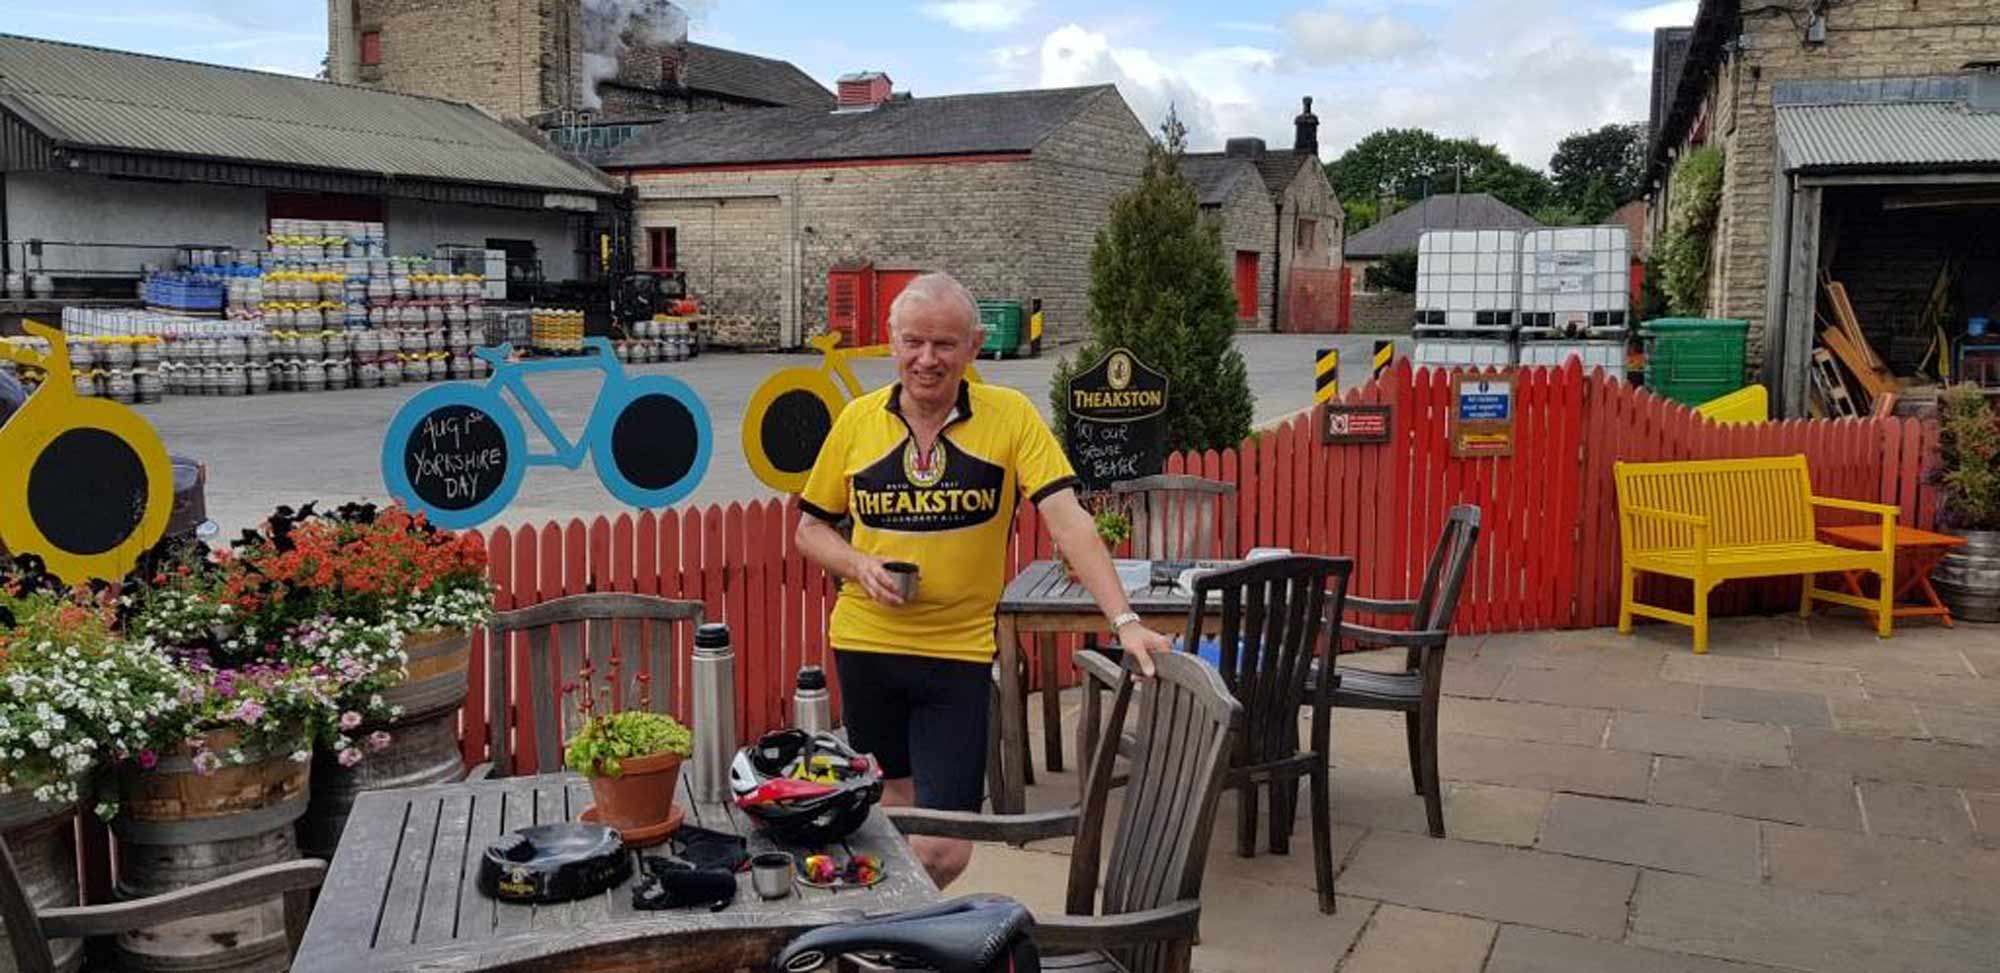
931 469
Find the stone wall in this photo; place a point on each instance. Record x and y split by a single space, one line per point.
1249 221
1074 176
1865 38
511 57
1382 312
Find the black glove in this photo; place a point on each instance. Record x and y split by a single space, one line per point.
672 885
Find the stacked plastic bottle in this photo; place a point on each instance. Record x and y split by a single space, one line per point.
557 330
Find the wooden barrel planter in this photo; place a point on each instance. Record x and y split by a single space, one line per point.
177 828
423 742
43 840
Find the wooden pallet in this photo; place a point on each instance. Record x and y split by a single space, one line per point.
1831 385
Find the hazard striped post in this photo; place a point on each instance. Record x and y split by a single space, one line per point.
1385 355
1326 375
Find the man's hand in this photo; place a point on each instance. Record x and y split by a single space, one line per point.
1142 642
868 572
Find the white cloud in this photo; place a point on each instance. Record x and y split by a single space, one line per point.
978 15
1329 36
1250 27
1677 13
1213 90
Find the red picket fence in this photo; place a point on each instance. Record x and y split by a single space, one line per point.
1547 557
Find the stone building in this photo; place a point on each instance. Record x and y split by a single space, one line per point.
1297 267
1005 190
1860 140
1232 195
528 60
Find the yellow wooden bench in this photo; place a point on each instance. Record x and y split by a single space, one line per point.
1711 521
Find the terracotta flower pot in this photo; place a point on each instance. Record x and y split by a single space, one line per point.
641 798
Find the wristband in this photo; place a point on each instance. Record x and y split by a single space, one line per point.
1124 619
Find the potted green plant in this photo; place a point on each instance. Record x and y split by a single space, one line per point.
1113 528
1968 475
633 759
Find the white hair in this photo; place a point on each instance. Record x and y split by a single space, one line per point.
937 289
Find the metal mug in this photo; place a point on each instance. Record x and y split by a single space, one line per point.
905 574
771 874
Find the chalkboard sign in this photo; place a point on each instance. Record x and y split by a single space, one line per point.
1117 420
456 457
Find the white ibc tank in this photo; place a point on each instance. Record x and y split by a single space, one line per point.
1468 279
1462 352
1576 277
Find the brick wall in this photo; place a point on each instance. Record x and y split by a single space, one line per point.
1865 38
1075 175
1249 221
1310 197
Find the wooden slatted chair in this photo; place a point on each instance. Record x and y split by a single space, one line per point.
1272 611
29 929
1418 690
1144 913
621 635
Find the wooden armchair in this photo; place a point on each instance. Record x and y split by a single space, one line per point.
1144 914
579 629
1418 690
1272 611
29 929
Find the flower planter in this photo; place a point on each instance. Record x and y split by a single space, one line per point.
44 847
423 742
177 828
640 801
1968 578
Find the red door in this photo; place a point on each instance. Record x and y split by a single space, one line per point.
1246 285
889 282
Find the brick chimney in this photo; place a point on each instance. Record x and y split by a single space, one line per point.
1305 140
863 90
1244 148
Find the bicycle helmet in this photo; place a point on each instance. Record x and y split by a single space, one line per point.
805 789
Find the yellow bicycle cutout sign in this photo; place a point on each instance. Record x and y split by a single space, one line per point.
87 485
790 414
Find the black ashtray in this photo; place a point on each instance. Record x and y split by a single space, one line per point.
554 863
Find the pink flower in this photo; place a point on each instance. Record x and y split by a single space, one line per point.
349 720
206 762
378 740
250 711
349 757
148 759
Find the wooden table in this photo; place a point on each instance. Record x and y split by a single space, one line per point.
1042 601
402 892
1917 552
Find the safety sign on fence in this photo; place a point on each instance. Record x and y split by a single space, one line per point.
1482 416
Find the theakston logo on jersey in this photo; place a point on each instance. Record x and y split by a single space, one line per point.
954 490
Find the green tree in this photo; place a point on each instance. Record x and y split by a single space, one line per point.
1397 272
1412 164
1158 286
1597 171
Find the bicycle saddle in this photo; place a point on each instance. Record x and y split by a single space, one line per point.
971 934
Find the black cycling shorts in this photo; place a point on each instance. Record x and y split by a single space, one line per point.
920 717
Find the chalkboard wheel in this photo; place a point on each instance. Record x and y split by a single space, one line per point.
94 489
785 423
651 444
482 484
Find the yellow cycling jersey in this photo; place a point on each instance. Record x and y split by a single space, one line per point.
951 514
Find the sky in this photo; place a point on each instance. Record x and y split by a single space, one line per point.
1517 73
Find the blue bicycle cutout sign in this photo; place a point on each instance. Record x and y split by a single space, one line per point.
457 453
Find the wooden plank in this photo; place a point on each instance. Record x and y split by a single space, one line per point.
1266 448
478 916
624 554
758 542
357 881
731 583
454 863
793 598
646 554
576 558
407 872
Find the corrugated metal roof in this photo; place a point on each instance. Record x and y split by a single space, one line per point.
118 101
1884 123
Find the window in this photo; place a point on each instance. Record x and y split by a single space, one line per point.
1305 236
662 244
371 47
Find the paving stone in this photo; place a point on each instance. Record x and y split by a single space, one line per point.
1592 650
1800 677
1598 690
1370 797
1521 949
1985 659
1876 717
1872 655
1402 940
1367 738
1765 706
1505 884
1523 721
1255 927
1916 811
1671 838
1490 813
1962 691
1692 736
1871 758
1960 726
1804 930
1985 818
1809 797
1544 766
1476 678
1367 798
1295 868
1898 870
